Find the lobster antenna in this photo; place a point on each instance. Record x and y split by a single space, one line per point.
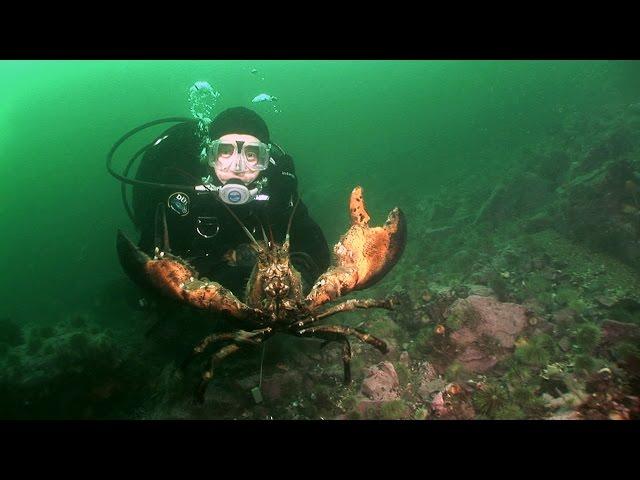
264 234
246 230
286 238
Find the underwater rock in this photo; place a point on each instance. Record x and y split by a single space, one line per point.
452 403
488 332
381 383
564 317
71 374
428 381
605 301
382 410
613 331
553 166
438 406
406 313
565 344
608 400
566 416
277 386
600 211
613 146
437 306
534 305
481 290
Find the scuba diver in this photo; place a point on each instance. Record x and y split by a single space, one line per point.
231 168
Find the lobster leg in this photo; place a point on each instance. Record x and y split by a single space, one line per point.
208 375
333 330
346 306
241 336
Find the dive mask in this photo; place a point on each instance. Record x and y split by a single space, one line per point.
238 156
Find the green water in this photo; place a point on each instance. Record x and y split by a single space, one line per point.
401 129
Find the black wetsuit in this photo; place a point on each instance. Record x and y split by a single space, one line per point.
208 231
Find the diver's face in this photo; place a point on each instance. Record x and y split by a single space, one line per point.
227 158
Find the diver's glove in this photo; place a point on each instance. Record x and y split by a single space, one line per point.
244 255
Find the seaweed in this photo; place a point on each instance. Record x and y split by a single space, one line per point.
526 398
533 353
403 373
537 283
489 345
584 363
455 320
34 345
588 337
509 412
393 410
456 372
422 342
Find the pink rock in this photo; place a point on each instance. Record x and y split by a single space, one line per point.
475 360
485 317
428 381
381 383
438 406
427 372
368 408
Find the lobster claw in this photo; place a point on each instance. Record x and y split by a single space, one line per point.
363 255
132 260
175 278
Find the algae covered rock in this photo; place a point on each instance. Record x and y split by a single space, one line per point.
381 383
487 330
69 374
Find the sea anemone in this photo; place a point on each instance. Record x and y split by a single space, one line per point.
521 342
453 389
532 354
489 400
